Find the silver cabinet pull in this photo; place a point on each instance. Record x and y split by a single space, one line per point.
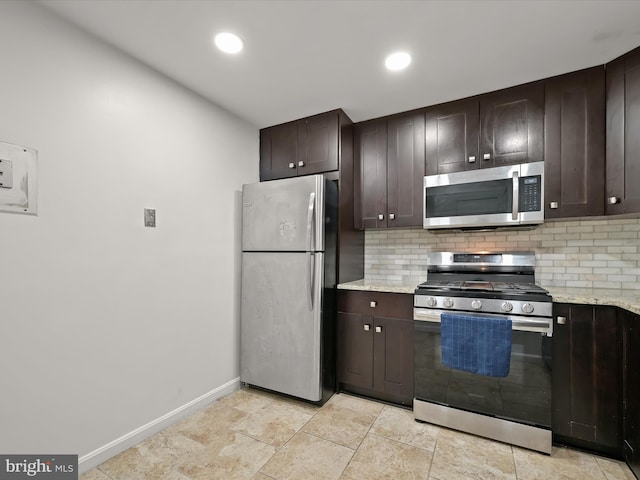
367 327
378 329
472 159
301 163
292 165
392 216
486 156
381 217
562 320
553 205
373 304
613 200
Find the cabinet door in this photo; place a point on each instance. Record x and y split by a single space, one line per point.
586 378
355 349
574 144
511 126
393 358
318 143
623 141
278 151
631 382
370 178
405 170
451 140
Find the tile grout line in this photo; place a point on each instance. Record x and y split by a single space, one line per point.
365 436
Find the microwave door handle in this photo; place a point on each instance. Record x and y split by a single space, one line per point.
516 196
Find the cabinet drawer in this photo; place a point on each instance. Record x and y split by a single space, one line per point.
379 304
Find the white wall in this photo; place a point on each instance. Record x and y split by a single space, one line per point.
106 325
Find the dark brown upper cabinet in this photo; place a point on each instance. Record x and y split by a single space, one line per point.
491 130
451 137
622 133
389 171
511 126
303 147
574 144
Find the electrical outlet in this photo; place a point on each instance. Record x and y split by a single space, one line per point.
149 217
6 173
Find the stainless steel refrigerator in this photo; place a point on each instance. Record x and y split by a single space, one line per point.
287 319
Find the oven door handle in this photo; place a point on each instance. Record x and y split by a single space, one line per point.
530 324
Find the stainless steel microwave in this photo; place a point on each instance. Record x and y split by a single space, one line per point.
493 197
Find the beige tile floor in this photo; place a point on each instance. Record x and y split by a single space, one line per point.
255 435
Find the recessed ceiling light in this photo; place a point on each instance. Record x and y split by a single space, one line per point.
397 61
228 42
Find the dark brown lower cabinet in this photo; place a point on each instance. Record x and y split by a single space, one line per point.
631 389
375 345
587 378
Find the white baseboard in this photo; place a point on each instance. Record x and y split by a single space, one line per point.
111 449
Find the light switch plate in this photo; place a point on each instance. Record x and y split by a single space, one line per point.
149 217
20 193
6 173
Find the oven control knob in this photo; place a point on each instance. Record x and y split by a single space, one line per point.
431 302
476 304
448 302
527 308
506 307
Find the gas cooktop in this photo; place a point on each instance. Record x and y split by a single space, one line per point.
465 281
471 286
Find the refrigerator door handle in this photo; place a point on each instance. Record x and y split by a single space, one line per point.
310 238
310 223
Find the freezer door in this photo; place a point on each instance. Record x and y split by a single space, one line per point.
280 337
284 215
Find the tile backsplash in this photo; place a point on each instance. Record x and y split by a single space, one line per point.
600 253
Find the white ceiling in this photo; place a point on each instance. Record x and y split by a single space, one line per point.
305 57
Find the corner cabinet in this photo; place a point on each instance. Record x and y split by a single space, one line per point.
375 345
587 378
491 130
389 171
303 147
623 141
631 389
575 144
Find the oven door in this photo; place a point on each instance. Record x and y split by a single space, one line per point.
524 396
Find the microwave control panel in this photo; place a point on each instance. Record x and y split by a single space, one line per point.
530 196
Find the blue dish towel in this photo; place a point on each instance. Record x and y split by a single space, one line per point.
476 344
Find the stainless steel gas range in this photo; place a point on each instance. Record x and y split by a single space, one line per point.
472 307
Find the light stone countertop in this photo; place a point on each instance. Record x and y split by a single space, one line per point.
627 299
379 286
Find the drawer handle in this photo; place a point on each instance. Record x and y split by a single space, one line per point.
373 304
367 327
378 329
553 205
486 156
301 163
472 159
562 320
